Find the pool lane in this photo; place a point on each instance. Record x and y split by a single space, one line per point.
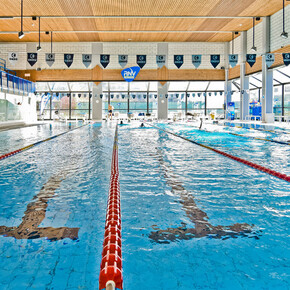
18 138
188 224
267 154
52 214
12 153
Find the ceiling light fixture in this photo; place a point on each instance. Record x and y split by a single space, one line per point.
284 34
39 47
254 48
21 33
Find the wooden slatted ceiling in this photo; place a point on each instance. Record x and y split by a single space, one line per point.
133 7
142 7
127 24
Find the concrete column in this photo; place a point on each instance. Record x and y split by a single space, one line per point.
162 113
267 76
162 48
244 80
228 83
162 101
97 49
97 102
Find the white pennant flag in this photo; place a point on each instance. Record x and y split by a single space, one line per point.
233 59
13 57
123 59
270 58
87 59
160 60
50 58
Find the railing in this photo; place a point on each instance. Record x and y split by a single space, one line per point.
10 83
255 118
282 118
13 84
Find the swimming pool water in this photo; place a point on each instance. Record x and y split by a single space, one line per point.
272 155
11 140
165 181
191 219
81 159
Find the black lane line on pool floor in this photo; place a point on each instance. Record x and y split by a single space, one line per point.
35 214
202 226
241 160
4 156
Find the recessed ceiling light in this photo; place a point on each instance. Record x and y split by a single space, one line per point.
129 38
241 24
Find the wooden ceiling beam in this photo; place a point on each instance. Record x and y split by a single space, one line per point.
131 16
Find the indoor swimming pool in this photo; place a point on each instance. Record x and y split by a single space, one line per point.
191 218
11 140
248 144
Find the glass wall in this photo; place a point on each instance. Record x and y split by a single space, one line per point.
196 103
137 98
277 101
286 101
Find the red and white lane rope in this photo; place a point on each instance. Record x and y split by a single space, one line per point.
111 276
4 156
241 160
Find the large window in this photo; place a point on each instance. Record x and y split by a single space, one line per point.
277 101
281 90
287 100
63 100
71 100
135 97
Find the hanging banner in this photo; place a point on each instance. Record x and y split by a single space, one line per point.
129 74
68 59
141 60
215 60
178 60
251 59
13 57
104 60
32 58
286 58
87 60
123 60
270 58
196 60
50 58
233 59
160 60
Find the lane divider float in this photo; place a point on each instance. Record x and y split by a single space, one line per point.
251 137
241 160
257 138
228 124
111 276
4 156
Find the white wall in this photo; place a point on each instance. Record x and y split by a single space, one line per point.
277 28
112 48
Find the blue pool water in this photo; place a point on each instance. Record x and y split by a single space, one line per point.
18 138
272 155
191 219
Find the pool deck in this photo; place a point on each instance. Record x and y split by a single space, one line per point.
281 125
